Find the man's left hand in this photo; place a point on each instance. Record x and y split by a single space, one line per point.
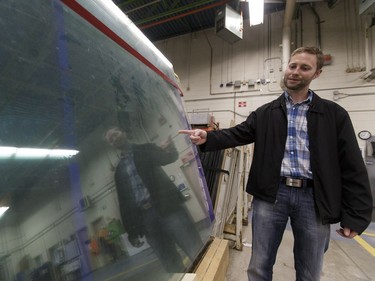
346 232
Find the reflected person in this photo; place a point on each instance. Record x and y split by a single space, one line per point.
150 204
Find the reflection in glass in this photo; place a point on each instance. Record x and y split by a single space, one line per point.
128 200
151 206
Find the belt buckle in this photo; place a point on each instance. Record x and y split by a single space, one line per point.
146 206
293 182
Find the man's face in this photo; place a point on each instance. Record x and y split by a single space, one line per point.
301 70
116 137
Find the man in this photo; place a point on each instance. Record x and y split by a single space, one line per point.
307 167
150 204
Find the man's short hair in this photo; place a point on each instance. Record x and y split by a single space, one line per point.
312 51
109 132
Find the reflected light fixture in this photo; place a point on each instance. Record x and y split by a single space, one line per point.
35 153
122 17
3 210
256 11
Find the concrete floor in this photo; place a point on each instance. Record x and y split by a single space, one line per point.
345 260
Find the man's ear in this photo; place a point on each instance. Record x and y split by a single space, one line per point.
317 73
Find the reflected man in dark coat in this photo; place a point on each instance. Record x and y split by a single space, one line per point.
150 204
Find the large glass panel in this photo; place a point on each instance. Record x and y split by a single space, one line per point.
98 183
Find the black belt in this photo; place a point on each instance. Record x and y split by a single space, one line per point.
146 206
295 182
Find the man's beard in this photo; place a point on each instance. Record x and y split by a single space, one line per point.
296 86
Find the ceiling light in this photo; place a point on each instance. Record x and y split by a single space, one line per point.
34 153
6 152
3 210
57 153
256 11
31 153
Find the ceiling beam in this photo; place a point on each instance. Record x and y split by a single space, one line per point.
187 7
142 6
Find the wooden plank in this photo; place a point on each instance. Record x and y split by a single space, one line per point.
222 195
217 270
215 262
189 277
230 228
206 261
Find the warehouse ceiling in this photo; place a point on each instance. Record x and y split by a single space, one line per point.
163 19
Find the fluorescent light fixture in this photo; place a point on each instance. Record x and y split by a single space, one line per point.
6 151
35 153
256 11
57 153
31 153
3 210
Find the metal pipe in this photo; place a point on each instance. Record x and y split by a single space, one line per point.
319 36
368 44
211 59
301 26
289 10
338 96
235 92
224 110
279 92
143 6
180 15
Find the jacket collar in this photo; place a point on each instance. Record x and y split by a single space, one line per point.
315 105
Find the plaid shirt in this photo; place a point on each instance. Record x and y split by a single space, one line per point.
141 194
296 162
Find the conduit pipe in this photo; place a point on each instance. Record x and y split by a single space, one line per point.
317 20
178 16
272 93
140 7
221 111
288 16
368 43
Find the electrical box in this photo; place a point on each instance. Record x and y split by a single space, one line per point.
366 7
228 24
237 84
200 118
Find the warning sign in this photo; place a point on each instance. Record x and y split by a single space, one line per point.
242 104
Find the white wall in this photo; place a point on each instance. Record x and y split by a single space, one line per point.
203 61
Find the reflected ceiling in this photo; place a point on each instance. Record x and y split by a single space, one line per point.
162 19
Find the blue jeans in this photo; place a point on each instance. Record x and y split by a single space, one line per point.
311 238
165 233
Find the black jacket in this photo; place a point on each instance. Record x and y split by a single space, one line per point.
341 185
165 197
